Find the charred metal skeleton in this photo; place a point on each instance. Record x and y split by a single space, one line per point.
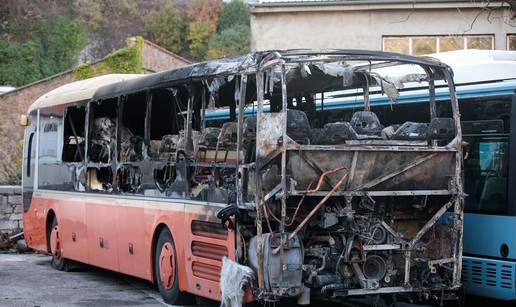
329 208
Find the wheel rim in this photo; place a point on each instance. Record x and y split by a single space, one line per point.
167 265
54 242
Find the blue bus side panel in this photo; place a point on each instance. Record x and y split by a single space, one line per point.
484 234
489 278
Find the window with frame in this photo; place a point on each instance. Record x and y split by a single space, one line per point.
74 134
511 42
486 171
419 45
486 128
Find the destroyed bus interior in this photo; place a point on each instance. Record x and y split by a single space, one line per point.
324 203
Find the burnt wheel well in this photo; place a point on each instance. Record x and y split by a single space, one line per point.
155 237
48 227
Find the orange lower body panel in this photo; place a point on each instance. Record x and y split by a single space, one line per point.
118 234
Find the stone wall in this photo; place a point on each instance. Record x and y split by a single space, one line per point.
10 209
156 58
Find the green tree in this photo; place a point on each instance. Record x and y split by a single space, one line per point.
233 13
60 41
18 63
168 28
52 47
233 31
203 16
232 41
204 11
198 35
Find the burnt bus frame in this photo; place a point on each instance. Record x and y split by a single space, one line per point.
277 60
256 64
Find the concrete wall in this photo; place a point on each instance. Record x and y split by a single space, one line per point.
362 26
10 209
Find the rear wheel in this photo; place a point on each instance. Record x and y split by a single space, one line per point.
58 262
166 272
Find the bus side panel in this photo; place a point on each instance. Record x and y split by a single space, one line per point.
206 243
489 277
485 234
73 231
134 240
485 271
101 218
34 224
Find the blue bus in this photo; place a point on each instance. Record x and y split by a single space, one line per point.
485 83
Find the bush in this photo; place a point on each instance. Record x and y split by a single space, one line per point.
232 41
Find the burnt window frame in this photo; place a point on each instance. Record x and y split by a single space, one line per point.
121 111
90 115
79 106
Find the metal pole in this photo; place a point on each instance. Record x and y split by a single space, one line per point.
258 196
458 209
283 164
241 105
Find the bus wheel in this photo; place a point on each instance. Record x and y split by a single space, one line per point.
165 270
58 262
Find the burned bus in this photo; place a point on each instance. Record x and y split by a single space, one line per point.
281 199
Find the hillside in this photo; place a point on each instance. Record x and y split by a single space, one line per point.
39 38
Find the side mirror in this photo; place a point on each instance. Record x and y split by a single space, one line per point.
24 120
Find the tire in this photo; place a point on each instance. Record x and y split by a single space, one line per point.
59 263
167 277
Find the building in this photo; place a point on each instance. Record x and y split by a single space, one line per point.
406 26
140 56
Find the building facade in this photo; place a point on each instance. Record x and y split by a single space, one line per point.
405 26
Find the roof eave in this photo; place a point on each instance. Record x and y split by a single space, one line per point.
293 6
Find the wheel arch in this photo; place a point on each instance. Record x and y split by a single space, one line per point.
155 236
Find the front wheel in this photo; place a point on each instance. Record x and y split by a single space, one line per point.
165 270
58 262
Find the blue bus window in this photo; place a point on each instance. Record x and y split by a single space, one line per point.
485 172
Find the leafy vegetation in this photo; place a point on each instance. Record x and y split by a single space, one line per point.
234 13
51 48
168 27
234 40
39 38
233 31
123 61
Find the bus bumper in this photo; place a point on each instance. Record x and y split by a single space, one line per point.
489 277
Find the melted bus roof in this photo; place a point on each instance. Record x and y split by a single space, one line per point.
118 84
78 90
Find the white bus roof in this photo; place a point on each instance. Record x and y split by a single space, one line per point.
469 66
78 90
472 66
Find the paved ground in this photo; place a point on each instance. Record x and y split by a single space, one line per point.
29 280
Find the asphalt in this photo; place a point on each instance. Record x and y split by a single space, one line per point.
29 280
